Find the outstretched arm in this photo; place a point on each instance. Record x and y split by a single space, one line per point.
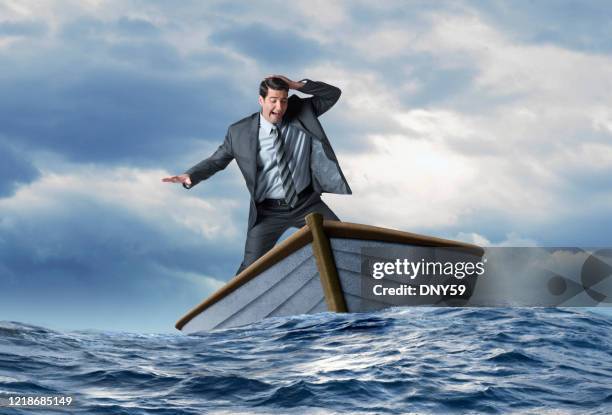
324 96
206 168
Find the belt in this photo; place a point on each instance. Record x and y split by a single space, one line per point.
281 203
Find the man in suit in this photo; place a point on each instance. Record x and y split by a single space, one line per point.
285 158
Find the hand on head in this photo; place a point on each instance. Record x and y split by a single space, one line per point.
292 84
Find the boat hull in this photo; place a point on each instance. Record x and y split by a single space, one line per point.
294 278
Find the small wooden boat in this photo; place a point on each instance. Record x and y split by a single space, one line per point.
316 269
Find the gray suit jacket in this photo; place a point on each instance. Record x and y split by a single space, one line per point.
241 143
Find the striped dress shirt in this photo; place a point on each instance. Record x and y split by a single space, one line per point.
296 146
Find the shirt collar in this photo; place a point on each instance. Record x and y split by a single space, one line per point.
265 125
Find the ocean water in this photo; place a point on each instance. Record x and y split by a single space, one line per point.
413 360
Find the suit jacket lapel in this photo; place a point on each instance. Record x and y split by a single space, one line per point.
298 124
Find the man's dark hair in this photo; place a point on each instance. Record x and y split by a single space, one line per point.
272 83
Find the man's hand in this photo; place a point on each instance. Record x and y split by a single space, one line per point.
292 84
183 178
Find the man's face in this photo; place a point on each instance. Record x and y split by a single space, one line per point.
274 105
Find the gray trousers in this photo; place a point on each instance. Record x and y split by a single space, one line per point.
272 222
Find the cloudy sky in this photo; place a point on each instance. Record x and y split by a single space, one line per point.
489 122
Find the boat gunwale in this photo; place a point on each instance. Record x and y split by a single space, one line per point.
303 236
297 240
346 230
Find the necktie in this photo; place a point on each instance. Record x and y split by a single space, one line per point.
282 160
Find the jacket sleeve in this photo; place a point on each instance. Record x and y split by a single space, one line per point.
324 96
217 161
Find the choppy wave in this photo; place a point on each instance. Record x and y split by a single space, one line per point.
418 360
